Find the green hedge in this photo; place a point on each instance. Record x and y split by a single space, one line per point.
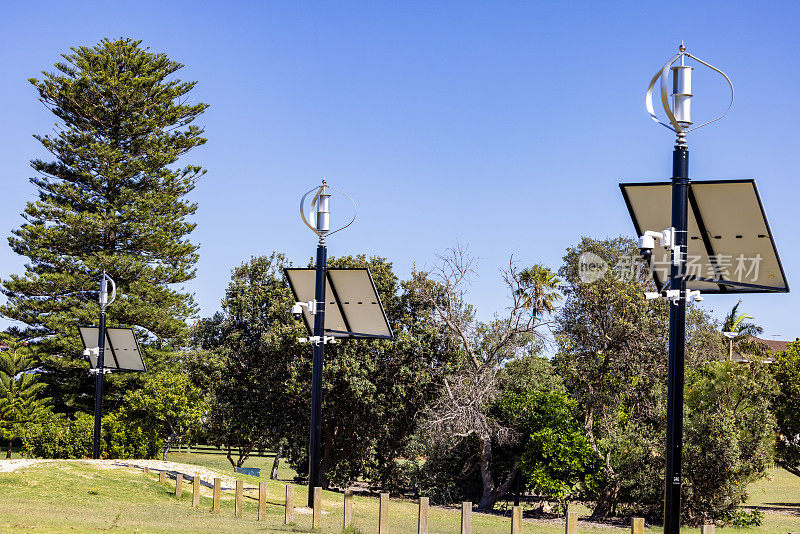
58 436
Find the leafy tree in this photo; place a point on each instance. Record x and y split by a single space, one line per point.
245 359
786 407
168 403
612 357
21 401
728 439
556 459
111 199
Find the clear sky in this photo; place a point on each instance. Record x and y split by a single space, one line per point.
505 126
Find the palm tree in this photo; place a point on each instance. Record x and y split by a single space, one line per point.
538 289
742 331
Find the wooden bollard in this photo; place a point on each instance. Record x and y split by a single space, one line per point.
317 516
146 471
262 501
516 520
466 517
178 486
348 509
162 476
422 525
217 491
637 525
383 514
707 529
572 523
196 491
237 503
288 514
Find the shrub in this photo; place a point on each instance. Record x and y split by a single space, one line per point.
58 436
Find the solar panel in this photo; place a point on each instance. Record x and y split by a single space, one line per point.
352 306
121 349
730 245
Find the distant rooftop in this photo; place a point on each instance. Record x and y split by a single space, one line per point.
773 345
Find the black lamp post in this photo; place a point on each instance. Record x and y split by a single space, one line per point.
100 370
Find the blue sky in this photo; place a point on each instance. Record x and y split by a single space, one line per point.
505 126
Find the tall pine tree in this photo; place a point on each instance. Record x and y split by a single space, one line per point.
111 199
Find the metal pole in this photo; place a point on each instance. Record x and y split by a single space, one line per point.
677 344
315 444
98 387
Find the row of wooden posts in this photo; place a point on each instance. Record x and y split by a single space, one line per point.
571 524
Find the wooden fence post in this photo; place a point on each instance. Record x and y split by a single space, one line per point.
217 489
317 517
262 501
707 529
146 471
466 517
288 514
196 491
572 523
383 514
348 508
178 486
237 508
516 520
424 504
162 476
637 525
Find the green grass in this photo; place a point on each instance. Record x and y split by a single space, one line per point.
779 489
76 496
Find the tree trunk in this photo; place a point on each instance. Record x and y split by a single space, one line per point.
244 454
487 500
230 456
605 502
273 474
167 445
8 454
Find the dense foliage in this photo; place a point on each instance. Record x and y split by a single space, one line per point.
60 436
786 370
167 405
22 400
728 438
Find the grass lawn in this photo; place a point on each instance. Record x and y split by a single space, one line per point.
81 497
779 489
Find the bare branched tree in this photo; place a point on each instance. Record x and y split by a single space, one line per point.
462 409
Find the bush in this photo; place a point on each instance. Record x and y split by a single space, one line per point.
58 436
128 439
739 517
